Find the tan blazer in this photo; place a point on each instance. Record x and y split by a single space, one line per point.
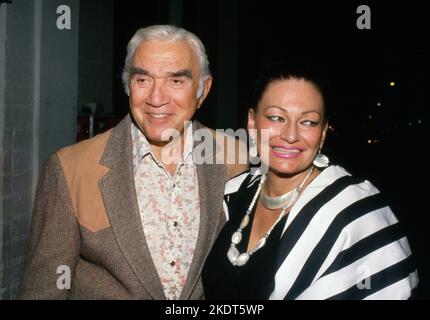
86 218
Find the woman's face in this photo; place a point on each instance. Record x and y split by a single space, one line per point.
292 112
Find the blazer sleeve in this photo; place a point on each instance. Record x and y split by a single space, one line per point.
54 241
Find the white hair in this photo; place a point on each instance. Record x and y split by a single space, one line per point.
166 33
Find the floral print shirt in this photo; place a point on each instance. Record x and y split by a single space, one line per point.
169 209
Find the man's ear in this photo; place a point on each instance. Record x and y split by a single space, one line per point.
207 84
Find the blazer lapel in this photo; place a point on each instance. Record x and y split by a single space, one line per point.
119 195
211 182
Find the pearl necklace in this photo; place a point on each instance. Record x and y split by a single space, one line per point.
240 259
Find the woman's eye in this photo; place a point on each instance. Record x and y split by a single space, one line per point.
275 118
310 123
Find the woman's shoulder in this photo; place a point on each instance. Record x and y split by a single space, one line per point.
335 191
241 182
337 175
343 197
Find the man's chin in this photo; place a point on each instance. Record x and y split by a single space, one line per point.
158 139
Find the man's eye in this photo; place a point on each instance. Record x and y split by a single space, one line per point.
141 80
177 82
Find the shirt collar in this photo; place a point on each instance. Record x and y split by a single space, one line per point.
140 144
141 147
188 143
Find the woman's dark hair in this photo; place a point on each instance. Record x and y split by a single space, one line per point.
283 71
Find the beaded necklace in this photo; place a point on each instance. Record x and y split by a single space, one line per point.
233 254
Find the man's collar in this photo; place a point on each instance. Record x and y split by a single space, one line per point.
188 143
141 146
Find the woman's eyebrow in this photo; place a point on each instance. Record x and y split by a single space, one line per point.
286 111
310 111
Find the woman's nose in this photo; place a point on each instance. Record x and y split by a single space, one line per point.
290 133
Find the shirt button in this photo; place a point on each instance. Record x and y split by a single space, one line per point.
172 263
175 223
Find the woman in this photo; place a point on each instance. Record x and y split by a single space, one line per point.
304 230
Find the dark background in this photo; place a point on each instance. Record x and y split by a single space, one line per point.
385 143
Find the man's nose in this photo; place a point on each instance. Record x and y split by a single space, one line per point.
157 96
290 132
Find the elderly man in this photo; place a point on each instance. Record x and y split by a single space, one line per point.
114 217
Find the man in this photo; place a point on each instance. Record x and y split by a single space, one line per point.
114 217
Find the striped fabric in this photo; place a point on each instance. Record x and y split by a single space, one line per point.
340 241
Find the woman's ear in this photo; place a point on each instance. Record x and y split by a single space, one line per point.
324 133
251 122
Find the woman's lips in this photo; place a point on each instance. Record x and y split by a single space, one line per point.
289 153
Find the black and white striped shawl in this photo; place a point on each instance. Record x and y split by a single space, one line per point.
341 241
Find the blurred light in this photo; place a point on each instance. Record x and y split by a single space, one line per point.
374 141
370 116
419 121
410 123
379 104
392 84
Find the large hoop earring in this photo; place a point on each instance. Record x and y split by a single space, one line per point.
321 160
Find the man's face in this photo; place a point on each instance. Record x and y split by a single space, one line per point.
163 87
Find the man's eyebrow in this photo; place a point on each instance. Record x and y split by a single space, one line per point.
182 73
137 70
